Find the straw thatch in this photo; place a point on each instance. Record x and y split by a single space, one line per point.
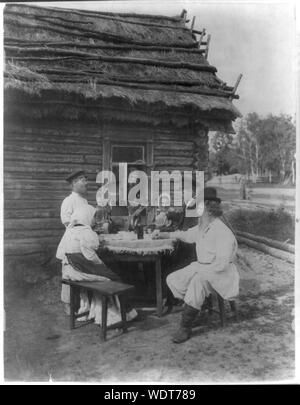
100 60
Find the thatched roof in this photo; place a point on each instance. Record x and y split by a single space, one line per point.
95 60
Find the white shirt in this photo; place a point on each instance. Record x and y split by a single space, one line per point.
79 239
69 204
216 248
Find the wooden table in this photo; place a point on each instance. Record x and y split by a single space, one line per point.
142 251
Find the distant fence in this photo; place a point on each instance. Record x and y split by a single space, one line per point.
233 187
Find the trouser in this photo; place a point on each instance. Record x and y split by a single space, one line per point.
188 284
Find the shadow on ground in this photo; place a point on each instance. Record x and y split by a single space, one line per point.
259 347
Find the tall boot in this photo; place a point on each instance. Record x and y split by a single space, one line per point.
185 330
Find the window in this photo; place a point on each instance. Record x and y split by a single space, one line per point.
135 157
127 153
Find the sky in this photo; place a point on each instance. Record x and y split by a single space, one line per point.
255 39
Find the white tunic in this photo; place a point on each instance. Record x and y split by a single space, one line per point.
216 248
82 239
79 239
69 204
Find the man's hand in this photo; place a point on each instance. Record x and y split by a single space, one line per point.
155 234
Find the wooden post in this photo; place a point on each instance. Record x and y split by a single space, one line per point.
183 15
123 313
236 85
221 309
201 37
193 23
72 307
104 318
207 46
158 287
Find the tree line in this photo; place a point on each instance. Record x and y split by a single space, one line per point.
261 147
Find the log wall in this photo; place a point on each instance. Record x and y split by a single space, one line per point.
38 157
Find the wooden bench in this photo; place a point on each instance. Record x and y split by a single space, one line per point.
106 289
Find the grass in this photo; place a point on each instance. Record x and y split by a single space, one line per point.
276 224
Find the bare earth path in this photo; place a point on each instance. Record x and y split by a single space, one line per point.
260 347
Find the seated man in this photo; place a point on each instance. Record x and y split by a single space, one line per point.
77 251
216 247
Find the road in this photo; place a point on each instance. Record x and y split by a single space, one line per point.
260 347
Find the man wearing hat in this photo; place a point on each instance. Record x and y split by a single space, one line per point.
214 269
78 181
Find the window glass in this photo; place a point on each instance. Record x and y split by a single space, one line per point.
126 153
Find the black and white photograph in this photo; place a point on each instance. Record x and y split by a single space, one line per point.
149 193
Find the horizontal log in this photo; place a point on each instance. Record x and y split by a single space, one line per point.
19 174
108 79
31 212
103 36
132 115
43 176
58 148
48 129
33 233
175 89
19 248
173 161
50 204
51 195
41 185
34 158
33 223
62 53
73 133
55 143
110 19
91 138
99 13
132 15
267 241
173 145
64 168
112 129
47 184
161 167
143 135
87 45
165 154
75 25
280 254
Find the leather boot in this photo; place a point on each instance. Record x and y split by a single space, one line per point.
185 330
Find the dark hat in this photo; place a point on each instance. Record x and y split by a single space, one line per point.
210 194
74 175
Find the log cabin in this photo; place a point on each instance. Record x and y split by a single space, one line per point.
86 89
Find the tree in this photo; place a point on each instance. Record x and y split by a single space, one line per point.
220 158
279 135
267 145
262 146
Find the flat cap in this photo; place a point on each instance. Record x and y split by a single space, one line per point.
74 175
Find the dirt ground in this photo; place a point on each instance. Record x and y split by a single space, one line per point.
259 347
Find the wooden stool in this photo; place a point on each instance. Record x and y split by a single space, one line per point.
221 310
106 289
